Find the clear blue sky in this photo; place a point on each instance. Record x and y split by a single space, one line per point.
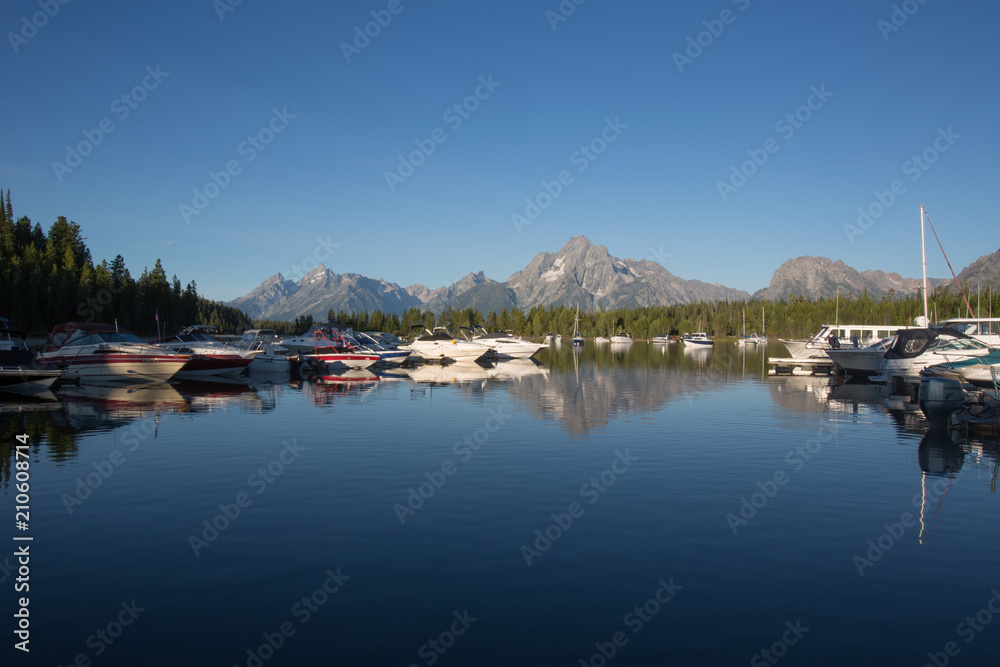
653 192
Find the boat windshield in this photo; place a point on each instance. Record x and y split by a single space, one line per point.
957 345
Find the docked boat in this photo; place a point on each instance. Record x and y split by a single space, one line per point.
388 356
97 353
272 356
983 329
918 348
503 343
333 350
853 335
440 345
981 371
210 358
861 361
698 339
18 370
662 339
622 338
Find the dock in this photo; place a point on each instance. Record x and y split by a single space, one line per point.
789 366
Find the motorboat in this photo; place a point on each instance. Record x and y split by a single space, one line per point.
210 358
332 350
549 338
601 339
95 353
662 339
440 345
503 343
303 343
981 371
861 361
622 338
699 339
388 356
752 339
859 335
272 356
18 370
918 348
558 339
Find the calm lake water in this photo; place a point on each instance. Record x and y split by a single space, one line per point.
643 507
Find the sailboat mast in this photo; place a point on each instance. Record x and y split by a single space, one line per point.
923 252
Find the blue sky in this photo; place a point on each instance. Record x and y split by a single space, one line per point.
309 128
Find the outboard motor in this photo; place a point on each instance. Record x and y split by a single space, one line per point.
939 398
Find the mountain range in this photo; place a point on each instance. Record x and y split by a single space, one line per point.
579 274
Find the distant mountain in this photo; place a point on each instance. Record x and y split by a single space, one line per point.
320 290
585 275
984 270
815 277
579 274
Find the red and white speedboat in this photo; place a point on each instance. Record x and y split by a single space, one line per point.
332 350
210 358
98 353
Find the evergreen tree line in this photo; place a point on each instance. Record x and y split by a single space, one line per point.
50 278
793 317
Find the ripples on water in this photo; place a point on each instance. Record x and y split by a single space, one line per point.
649 451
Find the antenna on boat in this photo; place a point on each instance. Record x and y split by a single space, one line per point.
923 252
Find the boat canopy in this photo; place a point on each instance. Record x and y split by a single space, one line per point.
64 333
911 343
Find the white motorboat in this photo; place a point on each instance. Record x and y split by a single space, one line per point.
549 338
981 371
272 357
97 353
698 340
855 335
601 339
440 345
503 343
861 361
622 338
662 339
210 358
331 349
752 339
389 356
918 348
983 329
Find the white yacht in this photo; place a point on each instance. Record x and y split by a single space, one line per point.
503 343
622 338
699 339
861 361
439 345
272 356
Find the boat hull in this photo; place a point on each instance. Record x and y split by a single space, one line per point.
101 368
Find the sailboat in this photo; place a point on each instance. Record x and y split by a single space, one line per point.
577 338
